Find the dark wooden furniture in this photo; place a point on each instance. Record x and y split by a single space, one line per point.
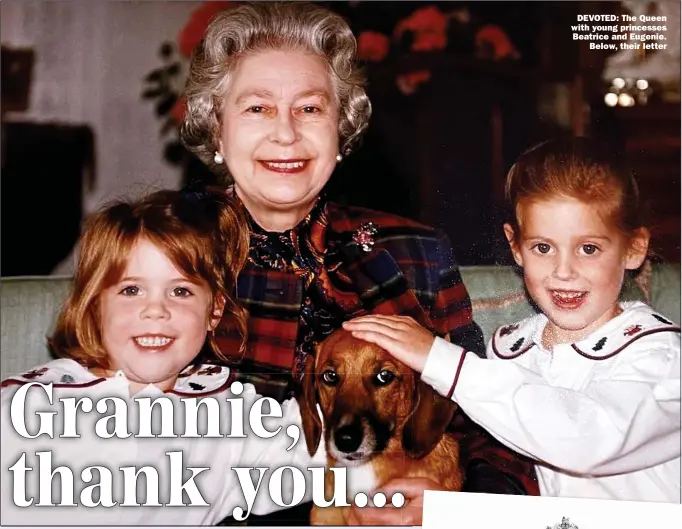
45 169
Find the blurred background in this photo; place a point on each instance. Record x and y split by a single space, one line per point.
90 111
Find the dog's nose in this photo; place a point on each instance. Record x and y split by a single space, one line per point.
348 438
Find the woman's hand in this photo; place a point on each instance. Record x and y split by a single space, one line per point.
410 514
401 336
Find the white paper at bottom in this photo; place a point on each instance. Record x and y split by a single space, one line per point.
462 510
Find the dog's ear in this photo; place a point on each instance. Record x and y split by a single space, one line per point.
426 425
307 402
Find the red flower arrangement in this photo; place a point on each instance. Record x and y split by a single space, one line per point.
493 43
373 46
409 82
427 29
190 36
199 20
429 26
165 83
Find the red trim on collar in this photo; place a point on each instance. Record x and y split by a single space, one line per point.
14 381
614 353
512 356
230 378
17 382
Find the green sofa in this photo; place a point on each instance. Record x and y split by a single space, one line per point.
28 306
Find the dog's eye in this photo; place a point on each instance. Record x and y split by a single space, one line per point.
330 377
384 377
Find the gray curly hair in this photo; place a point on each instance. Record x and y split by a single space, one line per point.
268 25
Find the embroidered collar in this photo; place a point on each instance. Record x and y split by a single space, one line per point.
203 379
634 322
199 380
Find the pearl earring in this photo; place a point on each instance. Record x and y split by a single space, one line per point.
218 158
339 157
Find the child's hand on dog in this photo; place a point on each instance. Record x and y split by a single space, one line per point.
400 336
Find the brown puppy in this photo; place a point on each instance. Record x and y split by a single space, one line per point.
380 421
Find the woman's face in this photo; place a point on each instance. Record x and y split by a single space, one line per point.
279 133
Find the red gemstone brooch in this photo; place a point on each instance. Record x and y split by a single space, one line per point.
364 236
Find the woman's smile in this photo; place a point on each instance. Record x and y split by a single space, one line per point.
296 165
280 134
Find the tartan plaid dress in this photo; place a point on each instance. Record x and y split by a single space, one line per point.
341 262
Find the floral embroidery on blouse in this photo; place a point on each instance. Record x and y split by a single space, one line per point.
632 330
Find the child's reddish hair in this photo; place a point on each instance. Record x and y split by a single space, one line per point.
204 234
578 168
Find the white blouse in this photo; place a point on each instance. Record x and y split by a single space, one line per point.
218 486
600 416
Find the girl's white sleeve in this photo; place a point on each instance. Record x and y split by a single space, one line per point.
270 453
628 422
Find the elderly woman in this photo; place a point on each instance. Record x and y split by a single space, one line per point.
274 103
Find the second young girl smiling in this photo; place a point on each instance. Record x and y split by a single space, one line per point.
590 386
573 263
